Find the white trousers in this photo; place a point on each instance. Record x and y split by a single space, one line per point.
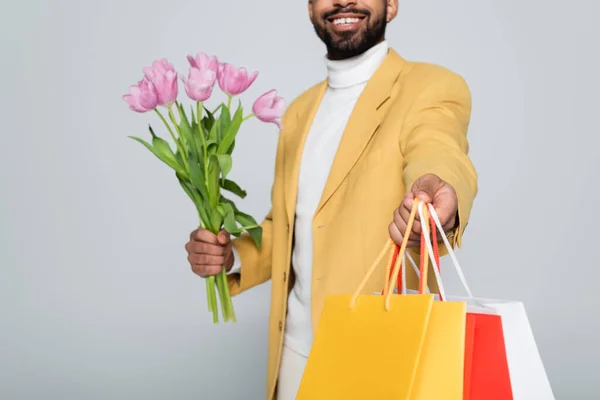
290 374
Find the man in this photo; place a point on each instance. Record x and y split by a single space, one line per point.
354 152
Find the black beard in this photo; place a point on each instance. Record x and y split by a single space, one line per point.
351 44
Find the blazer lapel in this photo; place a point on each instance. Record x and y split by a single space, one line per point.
363 123
294 145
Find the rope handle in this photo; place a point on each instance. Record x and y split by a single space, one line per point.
396 257
388 244
423 216
426 240
402 278
451 253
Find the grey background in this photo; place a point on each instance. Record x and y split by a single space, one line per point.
96 298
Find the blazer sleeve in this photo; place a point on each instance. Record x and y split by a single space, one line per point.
434 141
254 265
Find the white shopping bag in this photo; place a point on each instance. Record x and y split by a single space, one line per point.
528 376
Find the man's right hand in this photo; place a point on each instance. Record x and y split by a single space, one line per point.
208 253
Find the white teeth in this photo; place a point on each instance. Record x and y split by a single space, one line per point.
345 21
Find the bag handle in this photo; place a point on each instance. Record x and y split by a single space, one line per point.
424 215
451 253
425 237
389 242
402 277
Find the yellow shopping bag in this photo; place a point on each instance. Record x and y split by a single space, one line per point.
387 347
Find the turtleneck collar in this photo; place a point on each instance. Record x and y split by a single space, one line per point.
356 70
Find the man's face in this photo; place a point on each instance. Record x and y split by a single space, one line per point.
350 27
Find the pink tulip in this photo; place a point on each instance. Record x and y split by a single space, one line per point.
234 81
269 108
164 78
202 61
142 97
199 84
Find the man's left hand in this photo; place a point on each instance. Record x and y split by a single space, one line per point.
431 189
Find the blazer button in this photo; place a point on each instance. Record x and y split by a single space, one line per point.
280 326
284 276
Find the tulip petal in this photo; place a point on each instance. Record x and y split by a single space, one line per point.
251 78
192 61
269 108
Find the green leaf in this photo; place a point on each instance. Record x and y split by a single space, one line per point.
244 219
224 120
225 163
230 223
230 151
162 146
186 132
197 133
214 172
180 161
213 134
216 221
232 129
256 234
211 147
187 188
206 124
211 115
223 199
233 187
197 176
195 197
163 152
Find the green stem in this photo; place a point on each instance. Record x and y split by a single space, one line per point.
213 298
221 291
204 145
217 109
229 97
172 135
179 144
247 117
245 228
227 295
208 298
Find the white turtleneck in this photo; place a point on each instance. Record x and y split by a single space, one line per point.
346 81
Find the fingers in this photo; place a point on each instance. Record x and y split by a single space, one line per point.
426 187
206 265
206 270
223 237
400 221
203 235
397 236
207 252
204 248
401 216
205 259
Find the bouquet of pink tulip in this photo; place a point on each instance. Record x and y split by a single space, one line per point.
204 141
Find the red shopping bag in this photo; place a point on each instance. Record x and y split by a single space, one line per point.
486 372
487 375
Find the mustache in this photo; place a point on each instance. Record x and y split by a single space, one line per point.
347 10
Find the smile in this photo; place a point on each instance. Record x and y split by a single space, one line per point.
345 22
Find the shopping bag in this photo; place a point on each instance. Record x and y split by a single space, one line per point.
502 361
486 374
370 346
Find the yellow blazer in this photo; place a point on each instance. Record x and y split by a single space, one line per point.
410 120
